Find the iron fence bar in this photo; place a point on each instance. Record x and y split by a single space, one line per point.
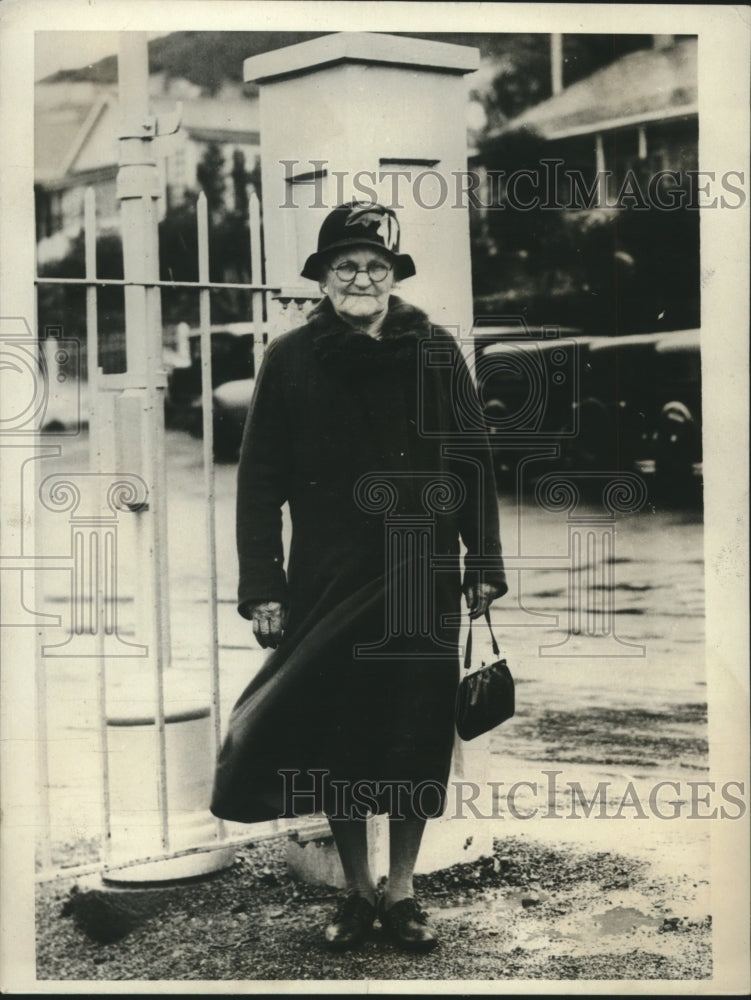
103 740
256 278
92 327
257 297
122 283
156 392
42 748
156 451
207 413
95 464
55 874
42 752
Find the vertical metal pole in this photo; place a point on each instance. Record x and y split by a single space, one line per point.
92 329
103 742
42 752
95 464
202 214
256 278
138 190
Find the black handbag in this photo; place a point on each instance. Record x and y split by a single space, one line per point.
485 698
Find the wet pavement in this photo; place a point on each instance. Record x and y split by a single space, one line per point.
603 628
623 700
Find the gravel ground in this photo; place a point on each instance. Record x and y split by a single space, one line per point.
541 908
529 912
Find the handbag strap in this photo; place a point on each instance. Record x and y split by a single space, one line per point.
468 647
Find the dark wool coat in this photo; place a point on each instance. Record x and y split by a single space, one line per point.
379 447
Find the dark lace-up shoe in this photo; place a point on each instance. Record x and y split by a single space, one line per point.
351 922
407 923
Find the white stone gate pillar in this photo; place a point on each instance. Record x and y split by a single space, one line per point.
378 117
375 117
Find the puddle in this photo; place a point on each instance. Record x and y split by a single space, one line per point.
622 920
578 933
483 906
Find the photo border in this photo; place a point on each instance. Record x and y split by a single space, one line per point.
723 145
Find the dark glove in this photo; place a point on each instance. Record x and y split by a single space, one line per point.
269 619
479 597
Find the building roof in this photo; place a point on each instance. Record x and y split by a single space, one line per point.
75 126
63 116
647 85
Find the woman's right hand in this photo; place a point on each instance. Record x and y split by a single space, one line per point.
269 619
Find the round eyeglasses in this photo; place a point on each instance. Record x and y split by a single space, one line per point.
348 271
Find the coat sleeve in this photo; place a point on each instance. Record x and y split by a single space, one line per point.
479 525
263 488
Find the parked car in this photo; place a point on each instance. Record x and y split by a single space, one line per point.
232 375
230 402
596 403
528 382
555 397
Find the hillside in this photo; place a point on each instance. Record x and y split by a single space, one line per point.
205 58
515 70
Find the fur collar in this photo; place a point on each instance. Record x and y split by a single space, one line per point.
336 342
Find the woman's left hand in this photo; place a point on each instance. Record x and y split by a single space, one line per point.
479 597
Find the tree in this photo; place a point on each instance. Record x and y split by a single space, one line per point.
240 182
607 270
210 176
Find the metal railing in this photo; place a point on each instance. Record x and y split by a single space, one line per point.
94 596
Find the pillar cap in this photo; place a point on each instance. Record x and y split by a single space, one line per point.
360 47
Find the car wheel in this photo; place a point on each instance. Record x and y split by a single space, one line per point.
675 443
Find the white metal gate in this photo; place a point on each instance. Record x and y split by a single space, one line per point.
124 493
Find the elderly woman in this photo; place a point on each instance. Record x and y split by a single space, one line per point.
363 435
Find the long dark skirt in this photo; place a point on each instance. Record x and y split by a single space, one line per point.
326 726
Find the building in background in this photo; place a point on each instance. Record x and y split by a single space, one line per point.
599 228
639 113
587 240
75 143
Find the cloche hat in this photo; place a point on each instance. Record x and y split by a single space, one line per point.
359 223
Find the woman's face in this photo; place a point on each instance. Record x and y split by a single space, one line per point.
361 299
